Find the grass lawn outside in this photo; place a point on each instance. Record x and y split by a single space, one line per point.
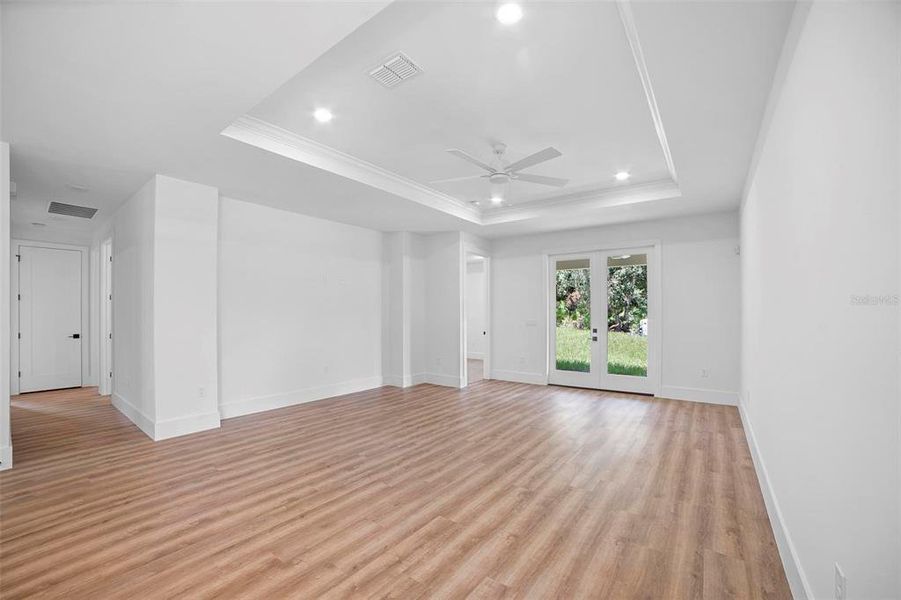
627 354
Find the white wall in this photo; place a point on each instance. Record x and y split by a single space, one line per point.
440 318
133 381
185 307
6 452
820 230
397 309
699 301
300 315
165 308
475 309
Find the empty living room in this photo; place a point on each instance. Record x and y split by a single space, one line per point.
443 299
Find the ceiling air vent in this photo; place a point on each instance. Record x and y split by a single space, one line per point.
394 70
71 210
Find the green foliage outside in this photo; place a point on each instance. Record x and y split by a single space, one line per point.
627 298
627 354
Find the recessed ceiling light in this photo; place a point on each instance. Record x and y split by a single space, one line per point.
622 175
496 199
323 115
509 13
77 187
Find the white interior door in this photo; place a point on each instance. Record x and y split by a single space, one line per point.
50 296
603 320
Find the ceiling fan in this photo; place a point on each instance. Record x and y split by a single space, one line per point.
501 175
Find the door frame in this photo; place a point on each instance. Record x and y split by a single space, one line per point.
655 308
466 248
104 333
14 308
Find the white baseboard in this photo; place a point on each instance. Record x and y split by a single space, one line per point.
519 377
699 395
437 379
249 406
797 580
397 380
6 457
184 425
475 355
134 415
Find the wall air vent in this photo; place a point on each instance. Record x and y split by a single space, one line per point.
71 210
395 69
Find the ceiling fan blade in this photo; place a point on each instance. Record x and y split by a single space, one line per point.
552 181
534 159
472 159
452 179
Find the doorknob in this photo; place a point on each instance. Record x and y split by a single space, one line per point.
75 336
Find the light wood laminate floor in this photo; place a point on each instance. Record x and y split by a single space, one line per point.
502 490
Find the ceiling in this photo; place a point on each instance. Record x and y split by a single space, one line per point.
223 94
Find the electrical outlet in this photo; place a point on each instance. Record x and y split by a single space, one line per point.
201 392
705 373
841 584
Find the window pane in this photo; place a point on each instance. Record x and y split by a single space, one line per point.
627 315
573 339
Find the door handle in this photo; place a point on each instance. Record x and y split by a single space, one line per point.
75 336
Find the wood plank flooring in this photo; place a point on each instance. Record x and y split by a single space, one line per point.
501 490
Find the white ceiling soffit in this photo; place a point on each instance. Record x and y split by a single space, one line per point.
267 136
281 123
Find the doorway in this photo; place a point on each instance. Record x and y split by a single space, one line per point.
603 325
106 318
476 317
50 313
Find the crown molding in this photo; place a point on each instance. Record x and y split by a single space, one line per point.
628 19
589 200
272 138
266 136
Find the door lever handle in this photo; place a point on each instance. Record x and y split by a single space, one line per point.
75 336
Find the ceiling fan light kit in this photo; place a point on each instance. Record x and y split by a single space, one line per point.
500 175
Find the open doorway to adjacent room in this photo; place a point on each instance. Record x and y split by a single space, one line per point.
476 318
105 375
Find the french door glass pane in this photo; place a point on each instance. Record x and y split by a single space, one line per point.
573 336
627 315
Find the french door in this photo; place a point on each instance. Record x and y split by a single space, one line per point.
602 326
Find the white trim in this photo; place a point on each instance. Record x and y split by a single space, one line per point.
272 138
699 395
520 377
6 458
105 324
398 381
249 406
143 422
171 428
437 379
475 356
588 200
628 19
86 333
265 135
786 56
797 579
